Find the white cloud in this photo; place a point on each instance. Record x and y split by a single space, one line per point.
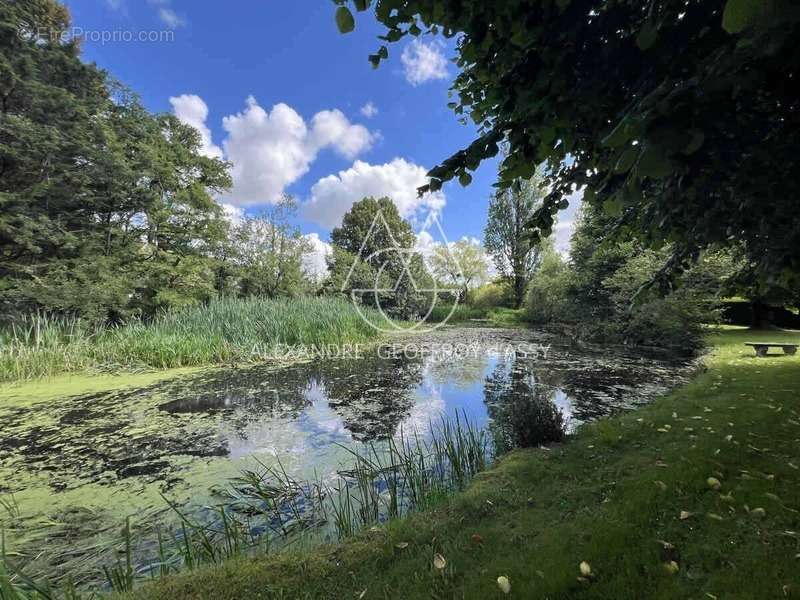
314 262
369 110
424 62
170 18
233 214
565 225
192 110
270 150
332 196
331 128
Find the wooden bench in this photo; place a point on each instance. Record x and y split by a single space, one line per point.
763 347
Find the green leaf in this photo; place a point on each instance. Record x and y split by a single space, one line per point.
344 20
698 137
654 164
589 195
626 160
647 36
361 5
613 207
618 136
465 179
741 14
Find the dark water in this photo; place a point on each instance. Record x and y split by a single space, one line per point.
106 455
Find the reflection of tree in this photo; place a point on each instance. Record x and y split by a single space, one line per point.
522 411
372 395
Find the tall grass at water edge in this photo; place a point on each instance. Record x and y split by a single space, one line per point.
223 331
265 508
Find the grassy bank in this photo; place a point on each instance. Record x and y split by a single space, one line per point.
464 314
631 497
224 331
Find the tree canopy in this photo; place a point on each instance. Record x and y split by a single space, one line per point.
679 117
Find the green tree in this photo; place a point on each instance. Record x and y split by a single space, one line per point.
269 251
105 209
380 243
462 264
680 116
507 237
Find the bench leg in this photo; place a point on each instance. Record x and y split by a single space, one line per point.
789 350
761 350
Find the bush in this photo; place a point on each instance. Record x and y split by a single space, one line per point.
492 295
644 317
548 298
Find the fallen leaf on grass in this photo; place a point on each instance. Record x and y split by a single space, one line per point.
439 561
661 485
713 483
401 545
476 538
585 569
504 584
716 517
671 567
758 512
685 515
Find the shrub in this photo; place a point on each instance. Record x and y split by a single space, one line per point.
492 295
548 297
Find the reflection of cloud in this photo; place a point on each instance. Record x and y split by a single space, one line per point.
427 409
461 372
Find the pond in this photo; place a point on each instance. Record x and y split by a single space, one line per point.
73 468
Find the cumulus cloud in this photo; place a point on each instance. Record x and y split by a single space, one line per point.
192 110
369 110
424 62
314 262
271 149
332 196
331 128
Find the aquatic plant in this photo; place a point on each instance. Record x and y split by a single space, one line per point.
226 330
265 507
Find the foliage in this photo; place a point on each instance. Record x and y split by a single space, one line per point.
515 254
105 210
679 117
461 264
522 410
605 290
224 331
268 253
491 295
380 243
548 298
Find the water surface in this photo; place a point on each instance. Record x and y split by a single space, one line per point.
76 466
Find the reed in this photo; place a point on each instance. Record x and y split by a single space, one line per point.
223 331
383 481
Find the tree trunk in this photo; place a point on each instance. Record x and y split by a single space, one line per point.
519 291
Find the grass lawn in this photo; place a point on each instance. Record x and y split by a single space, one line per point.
629 496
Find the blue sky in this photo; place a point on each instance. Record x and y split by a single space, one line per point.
278 91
